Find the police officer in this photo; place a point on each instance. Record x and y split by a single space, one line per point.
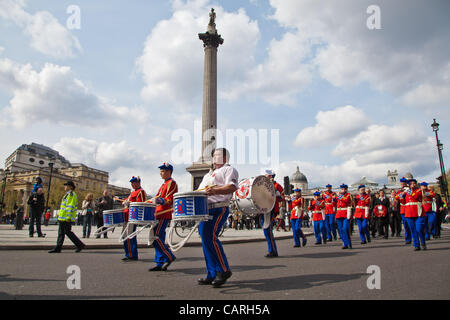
66 215
219 184
163 213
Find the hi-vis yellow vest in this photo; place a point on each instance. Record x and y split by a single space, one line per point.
69 205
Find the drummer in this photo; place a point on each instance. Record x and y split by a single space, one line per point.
268 232
163 213
219 183
137 195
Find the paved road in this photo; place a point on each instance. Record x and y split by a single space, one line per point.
313 272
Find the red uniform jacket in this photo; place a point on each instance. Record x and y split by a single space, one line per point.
297 213
413 203
166 191
279 197
401 197
344 203
317 207
362 206
330 202
427 202
137 195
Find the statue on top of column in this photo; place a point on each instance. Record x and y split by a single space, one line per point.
212 17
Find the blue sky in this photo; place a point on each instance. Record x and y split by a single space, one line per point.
348 101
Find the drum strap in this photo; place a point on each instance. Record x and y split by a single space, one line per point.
218 205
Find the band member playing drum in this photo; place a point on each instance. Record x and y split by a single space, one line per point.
164 199
219 184
137 195
298 208
268 226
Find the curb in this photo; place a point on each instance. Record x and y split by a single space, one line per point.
140 246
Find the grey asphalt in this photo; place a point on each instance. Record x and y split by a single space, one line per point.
311 272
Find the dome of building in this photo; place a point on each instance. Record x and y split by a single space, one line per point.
409 176
298 177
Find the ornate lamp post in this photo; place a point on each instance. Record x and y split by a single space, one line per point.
50 164
439 145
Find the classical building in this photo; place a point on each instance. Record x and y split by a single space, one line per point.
364 181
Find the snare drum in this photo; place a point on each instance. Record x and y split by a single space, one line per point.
141 212
190 205
255 195
113 217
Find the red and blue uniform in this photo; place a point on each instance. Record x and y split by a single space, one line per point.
362 216
297 213
415 216
427 207
330 214
163 213
317 208
343 216
130 245
268 232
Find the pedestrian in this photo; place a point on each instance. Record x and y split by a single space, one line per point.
317 207
37 185
362 214
18 217
36 201
395 219
280 220
103 203
47 217
440 212
88 209
344 215
66 215
381 209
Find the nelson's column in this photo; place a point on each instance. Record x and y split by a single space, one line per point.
211 41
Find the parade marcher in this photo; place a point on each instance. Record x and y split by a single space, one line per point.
163 213
428 197
343 215
297 206
137 195
415 216
401 198
36 201
317 207
381 209
330 212
268 225
373 218
66 215
88 209
395 219
103 203
362 214
220 183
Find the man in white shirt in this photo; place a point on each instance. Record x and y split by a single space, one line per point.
219 184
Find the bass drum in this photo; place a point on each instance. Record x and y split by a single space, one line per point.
255 195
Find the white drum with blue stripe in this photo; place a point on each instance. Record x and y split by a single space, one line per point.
190 205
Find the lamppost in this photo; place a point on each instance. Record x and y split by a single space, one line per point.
439 145
50 164
3 190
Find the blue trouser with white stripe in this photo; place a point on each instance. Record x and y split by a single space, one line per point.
297 230
319 231
363 226
344 231
417 227
330 225
407 229
130 246
430 228
163 253
215 258
268 233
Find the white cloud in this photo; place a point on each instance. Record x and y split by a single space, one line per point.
48 36
55 95
332 126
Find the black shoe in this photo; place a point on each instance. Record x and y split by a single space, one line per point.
106 237
80 248
407 242
363 242
318 243
126 259
271 255
31 236
97 237
417 249
344 247
166 265
55 250
205 281
304 241
424 247
221 278
157 268
41 235
330 240
296 246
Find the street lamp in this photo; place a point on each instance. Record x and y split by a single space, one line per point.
440 147
50 164
3 190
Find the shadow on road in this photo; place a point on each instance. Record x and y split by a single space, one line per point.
6 296
200 271
321 255
6 278
287 283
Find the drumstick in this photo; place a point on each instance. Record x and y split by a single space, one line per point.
202 189
118 199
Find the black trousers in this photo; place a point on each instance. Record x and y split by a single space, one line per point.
65 229
383 226
35 217
99 219
373 222
395 220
